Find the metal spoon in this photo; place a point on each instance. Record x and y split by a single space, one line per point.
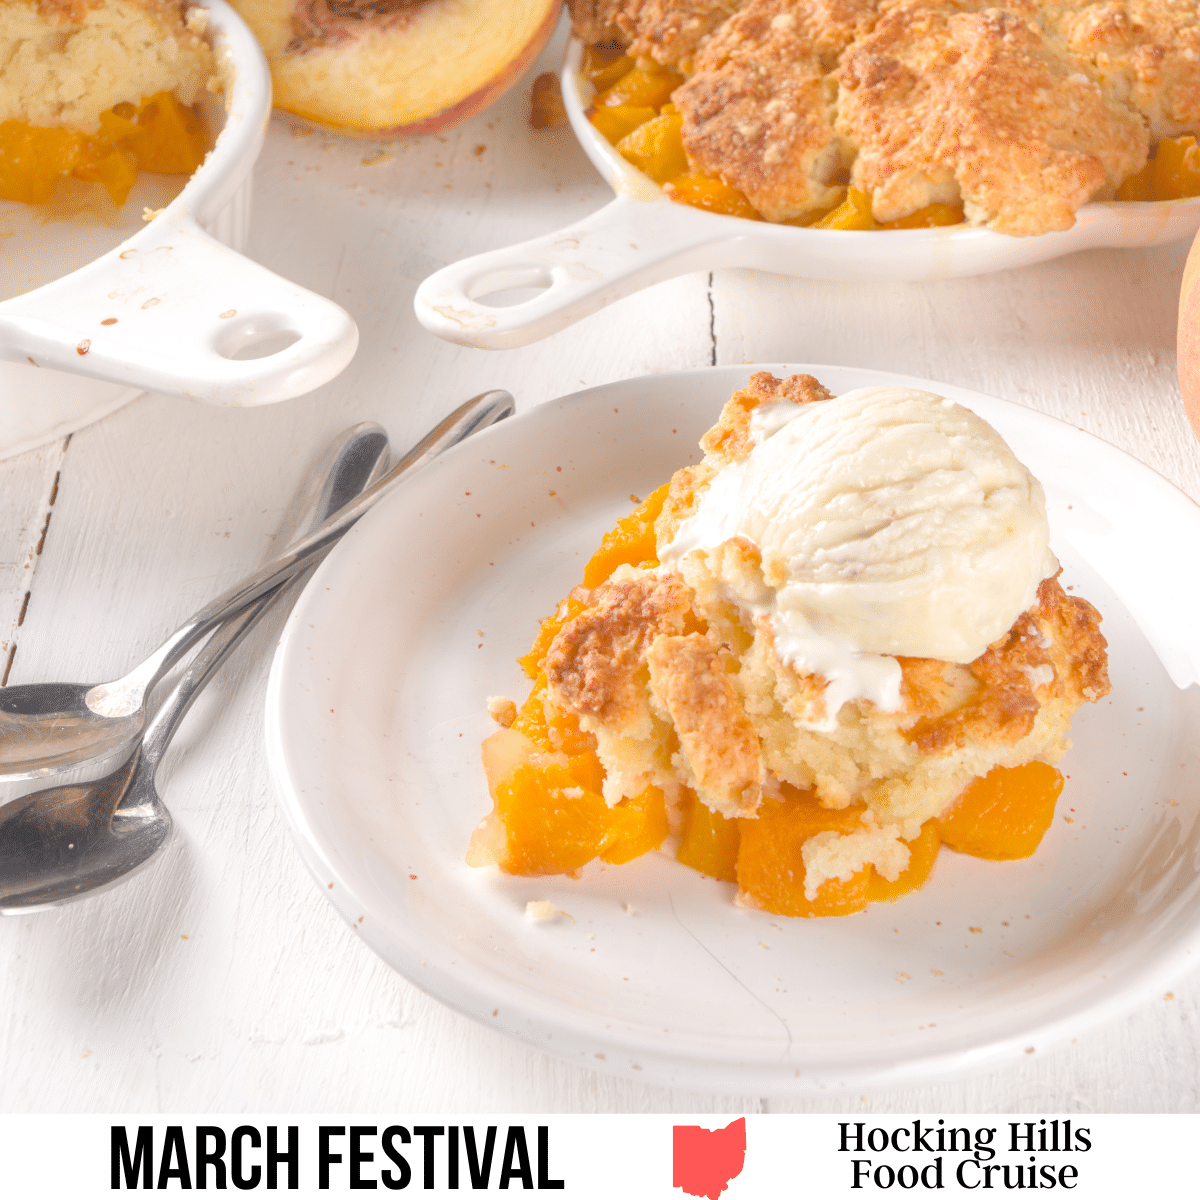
46 728
65 842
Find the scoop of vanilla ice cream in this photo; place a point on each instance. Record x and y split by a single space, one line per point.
890 522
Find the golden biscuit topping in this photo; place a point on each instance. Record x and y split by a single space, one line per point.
716 737
65 62
1011 112
1054 651
944 104
596 665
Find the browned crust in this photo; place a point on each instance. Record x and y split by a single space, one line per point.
729 439
687 486
667 31
671 31
595 21
757 113
73 12
1023 111
937 97
1060 631
1074 626
715 735
1144 51
595 665
822 28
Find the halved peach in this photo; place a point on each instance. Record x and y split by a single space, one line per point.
396 68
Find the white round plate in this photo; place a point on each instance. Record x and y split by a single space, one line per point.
376 709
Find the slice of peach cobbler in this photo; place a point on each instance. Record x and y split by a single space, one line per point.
836 643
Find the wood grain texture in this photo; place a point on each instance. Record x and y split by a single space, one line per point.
27 498
220 979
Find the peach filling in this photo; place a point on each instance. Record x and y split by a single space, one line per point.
1172 174
632 110
161 135
1005 814
549 816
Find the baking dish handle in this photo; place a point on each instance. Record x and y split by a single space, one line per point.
173 310
627 245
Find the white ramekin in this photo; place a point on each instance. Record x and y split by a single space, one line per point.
173 308
641 238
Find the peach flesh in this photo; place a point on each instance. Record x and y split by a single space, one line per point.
444 62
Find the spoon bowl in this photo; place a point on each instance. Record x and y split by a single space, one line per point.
55 729
65 842
80 838
48 728
70 841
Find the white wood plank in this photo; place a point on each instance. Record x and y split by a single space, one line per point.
28 491
1089 339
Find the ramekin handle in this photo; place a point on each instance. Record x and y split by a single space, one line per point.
173 310
627 245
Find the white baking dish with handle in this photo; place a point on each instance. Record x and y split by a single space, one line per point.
174 307
641 238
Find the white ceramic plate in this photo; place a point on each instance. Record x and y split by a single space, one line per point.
641 237
376 710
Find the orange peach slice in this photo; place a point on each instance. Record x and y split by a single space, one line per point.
1005 814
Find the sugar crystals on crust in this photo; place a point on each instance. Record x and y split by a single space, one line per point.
596 664
944 103
1144 53
667 31
758 112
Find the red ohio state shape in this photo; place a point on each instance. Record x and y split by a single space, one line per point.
705 1160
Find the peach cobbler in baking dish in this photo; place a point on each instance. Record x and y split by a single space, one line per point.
97 90
893 114
836 643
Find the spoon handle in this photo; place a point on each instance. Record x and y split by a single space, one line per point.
160 729
353 462
477 413
125 695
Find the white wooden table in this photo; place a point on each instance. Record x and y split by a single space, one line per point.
219 979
